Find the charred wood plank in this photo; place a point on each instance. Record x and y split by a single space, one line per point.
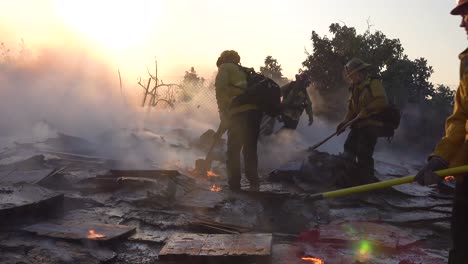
218 247
75 231
144 173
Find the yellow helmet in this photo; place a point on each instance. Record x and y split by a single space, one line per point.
355 65
228 56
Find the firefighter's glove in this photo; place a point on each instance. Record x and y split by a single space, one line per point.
426 175
362 115
340 128
311 120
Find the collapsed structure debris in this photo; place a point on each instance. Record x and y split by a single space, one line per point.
155 215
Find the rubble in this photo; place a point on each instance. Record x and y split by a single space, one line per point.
146 209
22 202
31 176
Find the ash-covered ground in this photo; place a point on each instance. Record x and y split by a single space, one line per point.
135 204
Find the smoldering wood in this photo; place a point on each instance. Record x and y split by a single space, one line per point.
137 202
144 173
80 231
25 202
29 176
217 247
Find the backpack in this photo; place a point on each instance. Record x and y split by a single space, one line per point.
390 117
261 91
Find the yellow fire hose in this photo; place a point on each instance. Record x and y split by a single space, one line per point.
383 184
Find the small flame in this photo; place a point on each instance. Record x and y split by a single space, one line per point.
449 178
215 188
92 234
313 260
211 174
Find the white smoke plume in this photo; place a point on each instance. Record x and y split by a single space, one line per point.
74 93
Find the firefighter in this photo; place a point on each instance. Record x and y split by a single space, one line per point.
295 101
367 99
242 121
452 151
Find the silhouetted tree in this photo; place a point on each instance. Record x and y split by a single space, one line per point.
272 70
191 77
406 81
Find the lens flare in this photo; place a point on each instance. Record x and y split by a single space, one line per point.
364 251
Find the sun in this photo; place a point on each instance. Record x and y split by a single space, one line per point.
116 25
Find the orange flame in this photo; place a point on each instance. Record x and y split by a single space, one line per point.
215 188
92 234
313 260
211 174
449 178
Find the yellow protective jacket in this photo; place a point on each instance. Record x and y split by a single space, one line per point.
296 100
230 82
454 145
368 96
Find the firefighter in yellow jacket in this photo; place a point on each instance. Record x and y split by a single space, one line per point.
452 151
242 121
367 100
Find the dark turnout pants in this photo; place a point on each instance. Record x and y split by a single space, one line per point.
359 146
243 136
459 252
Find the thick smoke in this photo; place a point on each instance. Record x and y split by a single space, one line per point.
73 93
69 91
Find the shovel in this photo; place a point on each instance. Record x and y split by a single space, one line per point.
334 134
202 166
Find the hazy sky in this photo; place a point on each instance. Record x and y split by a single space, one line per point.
180 34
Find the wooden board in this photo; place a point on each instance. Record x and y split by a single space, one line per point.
80 231
409 189
415 217
386 168
29 176
21 201
202 199
144 173
381 234
415 203
216 247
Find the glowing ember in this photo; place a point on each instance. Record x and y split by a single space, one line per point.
313 260
215 188
449 178
211 174
92 234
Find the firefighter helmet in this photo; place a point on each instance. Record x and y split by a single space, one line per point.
230 56
457 9
355 65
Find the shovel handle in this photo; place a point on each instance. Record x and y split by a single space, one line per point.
384 184
334 134
219 133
